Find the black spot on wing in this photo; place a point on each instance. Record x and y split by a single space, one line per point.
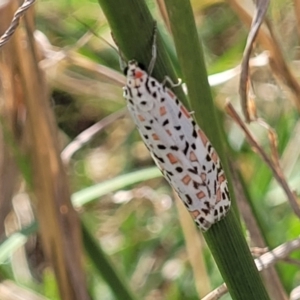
158 158
195 133
147 85
206 211
208 191
179 169
186 149
166 122
196 184
170 173
129 91
227 193
161 147
207 204
193 170
201 220
189 199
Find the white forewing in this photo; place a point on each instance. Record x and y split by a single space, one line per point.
178 146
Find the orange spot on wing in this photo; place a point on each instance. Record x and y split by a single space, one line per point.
173 159
184 111
203 176
219 195
193 156
162 110
214 156
203 137
186 179
195 213
171 94
138 74
155 137
169 132
141 118
221 178
200 195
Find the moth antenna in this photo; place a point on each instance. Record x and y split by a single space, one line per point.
116 49
122 60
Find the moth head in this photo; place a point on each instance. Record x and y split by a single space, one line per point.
135 74
132 68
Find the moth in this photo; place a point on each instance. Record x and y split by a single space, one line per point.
178 146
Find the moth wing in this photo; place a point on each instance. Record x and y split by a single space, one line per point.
179 165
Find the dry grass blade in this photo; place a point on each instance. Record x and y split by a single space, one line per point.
89 133
261 9
297 13
60 231
10 290
163 11
217 293
11 117
270 276
279 253
194 246
275 167
273 143
15 22
266 260
54 58
267 39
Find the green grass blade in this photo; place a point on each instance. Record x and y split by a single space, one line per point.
132 27
15 241
94 192
225 239
104 267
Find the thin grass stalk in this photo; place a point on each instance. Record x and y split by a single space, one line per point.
103 266
225 239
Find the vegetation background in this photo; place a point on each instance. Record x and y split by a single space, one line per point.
138 241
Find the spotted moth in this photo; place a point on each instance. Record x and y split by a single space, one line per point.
178 146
